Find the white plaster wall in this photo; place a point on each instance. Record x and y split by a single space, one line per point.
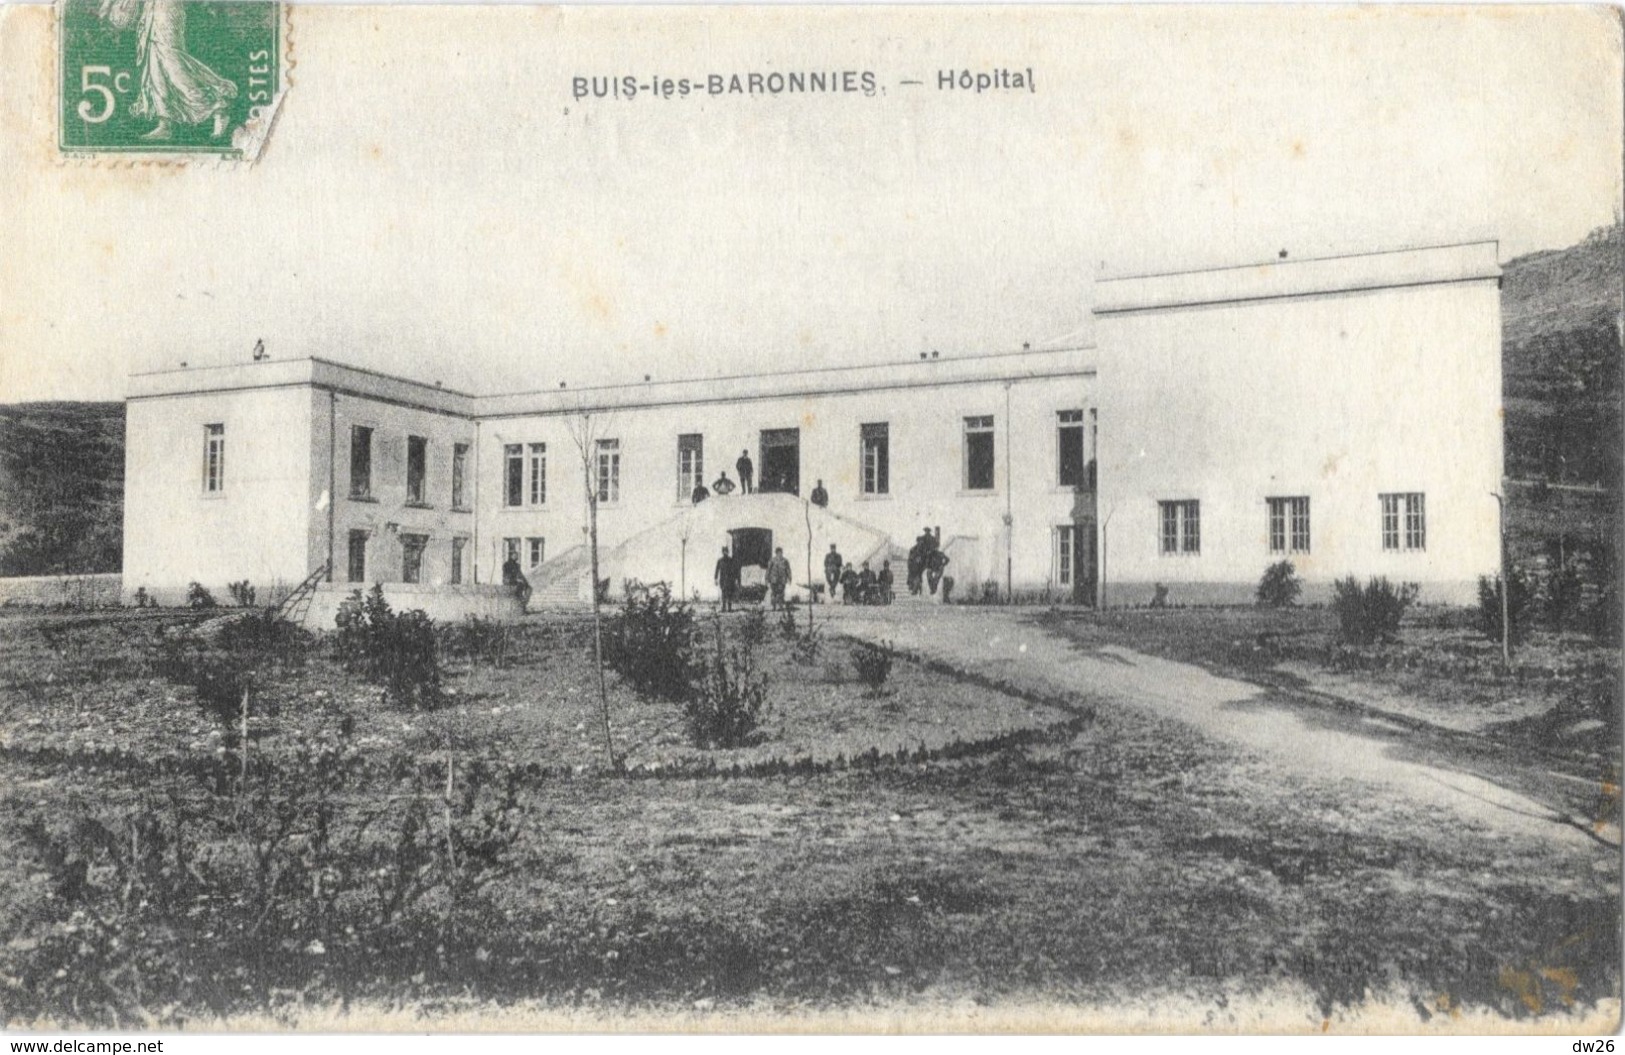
387 515
926 455
257 529
1340 397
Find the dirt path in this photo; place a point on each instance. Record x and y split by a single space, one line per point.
1009 645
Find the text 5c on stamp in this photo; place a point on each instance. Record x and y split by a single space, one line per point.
168 77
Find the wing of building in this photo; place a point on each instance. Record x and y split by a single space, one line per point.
1340 413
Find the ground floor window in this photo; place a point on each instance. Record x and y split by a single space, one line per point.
536 550
1181 526
457 547
1404 521
1289 524
1066 541
412 547
357 571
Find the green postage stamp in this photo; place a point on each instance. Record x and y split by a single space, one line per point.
169 78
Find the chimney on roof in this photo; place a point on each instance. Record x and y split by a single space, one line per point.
1026 346
933 353
561 384
1283 254
922 356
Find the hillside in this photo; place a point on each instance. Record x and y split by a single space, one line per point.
1560 357
61 487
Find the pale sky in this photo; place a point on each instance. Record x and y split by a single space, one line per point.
433 202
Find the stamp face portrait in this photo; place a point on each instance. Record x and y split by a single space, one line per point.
167 76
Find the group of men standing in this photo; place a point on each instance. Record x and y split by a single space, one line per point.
724 486
926 562
729 571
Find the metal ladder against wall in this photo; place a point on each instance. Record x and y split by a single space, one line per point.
296 605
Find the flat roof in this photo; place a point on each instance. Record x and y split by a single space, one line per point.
1026 364
1309 276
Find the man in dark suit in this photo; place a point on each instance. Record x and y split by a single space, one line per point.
747 473
727 579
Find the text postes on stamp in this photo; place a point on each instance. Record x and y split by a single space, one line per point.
168 77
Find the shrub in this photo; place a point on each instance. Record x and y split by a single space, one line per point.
399 651
1280 585
753 628
947 588
144 599
242 593
873 663
1518 601
726 707
198 596
789 628
477 638
650 642
807 647
264 635
221 681
1370 613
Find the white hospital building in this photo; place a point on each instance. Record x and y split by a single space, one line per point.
1341 413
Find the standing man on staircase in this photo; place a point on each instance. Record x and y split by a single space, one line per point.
727 579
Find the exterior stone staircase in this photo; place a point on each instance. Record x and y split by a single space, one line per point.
562 581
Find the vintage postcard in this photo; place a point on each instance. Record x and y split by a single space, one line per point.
917 519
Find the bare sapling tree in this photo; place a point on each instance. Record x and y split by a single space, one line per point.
588 436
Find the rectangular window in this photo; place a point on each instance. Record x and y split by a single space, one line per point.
536 550
360 461
457 547
538 474
459 476
1069 449
358 556
417 469
979 453
1181 527
609 470
1289 524
1065 547
510 550
412 547
214 459
1404 521
513 475
876 458
690 464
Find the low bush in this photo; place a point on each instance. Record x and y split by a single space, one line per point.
1280 585
650 642
726 707
1519 601
264 634
1370 613
873 663
807 647
753 627
399 651
789 627
198 596
478 640
242 593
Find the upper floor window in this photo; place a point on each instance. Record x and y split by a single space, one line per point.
214 458
979 453
459 476
1181 526
609 470
876 458
417 469
1069 449
1289 524
538 474
360 461
690 464
513 474
1404 521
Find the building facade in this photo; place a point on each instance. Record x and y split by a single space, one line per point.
1339 413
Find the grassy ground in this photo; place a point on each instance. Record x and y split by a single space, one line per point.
1102 858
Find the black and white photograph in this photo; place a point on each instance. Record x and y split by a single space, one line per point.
810 519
